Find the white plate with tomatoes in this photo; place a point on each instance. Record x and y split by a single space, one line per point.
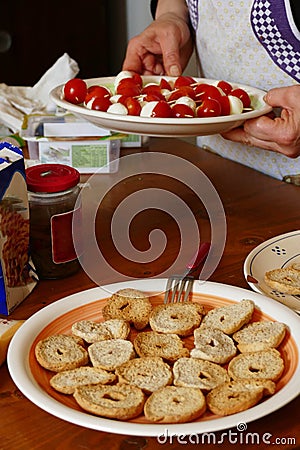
145 105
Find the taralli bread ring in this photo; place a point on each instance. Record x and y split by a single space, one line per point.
131 305
198 373
120 401
213 345
172 404
61 352
178 318
262 365
167 346
149 374
236 396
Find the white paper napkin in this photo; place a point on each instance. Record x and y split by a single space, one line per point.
16 101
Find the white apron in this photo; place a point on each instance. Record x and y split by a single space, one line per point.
227 34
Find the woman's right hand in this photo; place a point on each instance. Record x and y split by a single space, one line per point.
163 48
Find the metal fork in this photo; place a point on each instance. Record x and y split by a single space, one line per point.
179 287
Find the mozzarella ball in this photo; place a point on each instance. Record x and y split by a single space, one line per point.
187 101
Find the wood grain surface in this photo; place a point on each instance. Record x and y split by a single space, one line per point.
256 207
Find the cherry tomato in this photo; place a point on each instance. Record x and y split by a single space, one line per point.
209 108
225 105
204 90
242 95
164 84
132 105
136 77
152 97
182 110
118 99
128 74
183 91
99 103
153 90
128 87
75 90
183 81
225 86
162 109
96 91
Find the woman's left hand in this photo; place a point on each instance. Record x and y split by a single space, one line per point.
280 134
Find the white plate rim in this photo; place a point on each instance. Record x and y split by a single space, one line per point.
19 348
55 96
291 301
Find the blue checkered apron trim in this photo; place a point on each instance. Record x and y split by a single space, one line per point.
193 11
272 28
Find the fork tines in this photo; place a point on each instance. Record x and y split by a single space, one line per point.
178 289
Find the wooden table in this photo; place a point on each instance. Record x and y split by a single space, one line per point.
257 208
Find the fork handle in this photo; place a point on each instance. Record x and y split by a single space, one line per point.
199 257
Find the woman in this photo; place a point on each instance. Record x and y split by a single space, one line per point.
249 42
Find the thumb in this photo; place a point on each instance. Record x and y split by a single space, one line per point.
286 97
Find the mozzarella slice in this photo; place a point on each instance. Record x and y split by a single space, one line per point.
236 105
165 92
117 108
89 104
115 98
147 109
185 100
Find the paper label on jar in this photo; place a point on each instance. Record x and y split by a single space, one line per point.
63 249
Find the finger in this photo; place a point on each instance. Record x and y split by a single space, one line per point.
132 61
144 63
171 56
151 65
264 127
284 130
241 136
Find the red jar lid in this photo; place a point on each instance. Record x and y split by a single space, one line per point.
51 178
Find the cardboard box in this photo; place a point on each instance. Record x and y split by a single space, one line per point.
17 277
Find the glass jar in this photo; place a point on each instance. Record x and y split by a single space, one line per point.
53 191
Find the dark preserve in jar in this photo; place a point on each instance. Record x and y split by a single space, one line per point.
53 191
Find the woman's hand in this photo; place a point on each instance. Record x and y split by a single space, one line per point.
163 48
279 134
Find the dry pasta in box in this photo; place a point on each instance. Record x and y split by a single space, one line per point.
17 278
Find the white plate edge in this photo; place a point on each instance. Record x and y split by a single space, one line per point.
246 266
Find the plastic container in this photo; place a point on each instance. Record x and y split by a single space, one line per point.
71 141
53 191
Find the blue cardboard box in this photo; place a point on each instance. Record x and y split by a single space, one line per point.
16 271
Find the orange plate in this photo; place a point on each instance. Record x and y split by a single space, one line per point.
93 311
